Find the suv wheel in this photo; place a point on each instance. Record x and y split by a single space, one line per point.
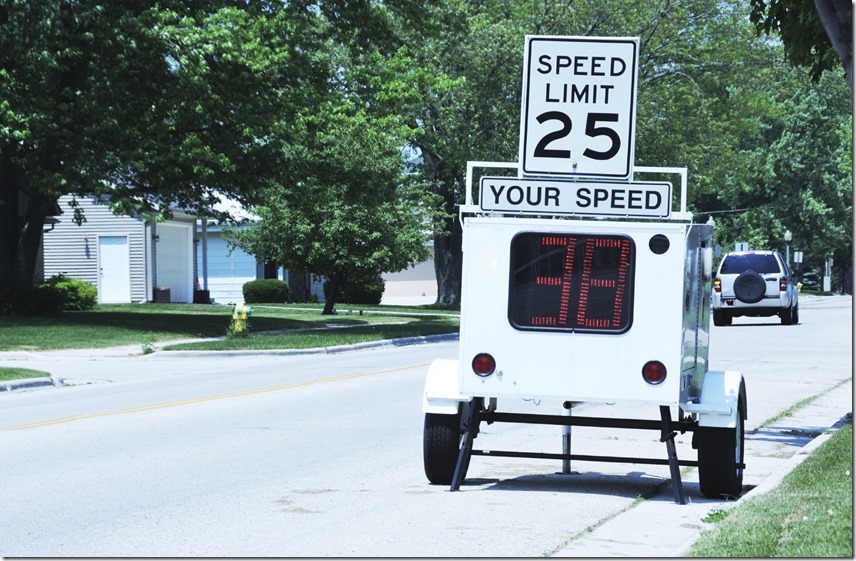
790 316
750 287
721 318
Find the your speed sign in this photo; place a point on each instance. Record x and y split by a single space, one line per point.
578 114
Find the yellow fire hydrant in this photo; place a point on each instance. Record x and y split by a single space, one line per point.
240 311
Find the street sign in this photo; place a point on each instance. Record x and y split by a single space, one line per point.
578 112
544 196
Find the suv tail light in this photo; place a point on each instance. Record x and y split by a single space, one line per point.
717 285
783 284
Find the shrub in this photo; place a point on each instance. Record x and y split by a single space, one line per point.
265 290
37 300
367 290
76 294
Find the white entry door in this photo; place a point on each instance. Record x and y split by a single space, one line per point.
114 270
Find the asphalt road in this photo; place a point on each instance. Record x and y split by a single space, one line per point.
179 454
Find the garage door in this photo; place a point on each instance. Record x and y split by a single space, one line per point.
174 261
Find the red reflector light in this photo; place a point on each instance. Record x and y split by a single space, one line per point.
717 285
654 372
484 364
783 284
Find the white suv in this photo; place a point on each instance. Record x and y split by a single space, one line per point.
754 283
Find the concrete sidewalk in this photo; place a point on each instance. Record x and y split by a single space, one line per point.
771 454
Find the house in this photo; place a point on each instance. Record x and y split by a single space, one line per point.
124 257
414 286
134 259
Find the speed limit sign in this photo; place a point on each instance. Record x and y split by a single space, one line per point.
578 114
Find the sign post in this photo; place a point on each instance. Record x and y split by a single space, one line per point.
578 114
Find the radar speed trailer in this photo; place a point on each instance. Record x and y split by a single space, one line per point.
582 289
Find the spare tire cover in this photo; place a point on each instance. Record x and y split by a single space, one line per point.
750 287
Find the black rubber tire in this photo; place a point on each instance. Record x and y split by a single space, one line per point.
721 318
441 441
750 287
796 313
787 316
719 450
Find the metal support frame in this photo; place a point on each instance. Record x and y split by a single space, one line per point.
667 427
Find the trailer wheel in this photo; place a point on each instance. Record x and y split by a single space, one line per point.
719 453
441 441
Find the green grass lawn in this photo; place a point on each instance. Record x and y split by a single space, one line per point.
146 324
809 515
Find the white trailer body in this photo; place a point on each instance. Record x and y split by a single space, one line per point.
602 310
543 348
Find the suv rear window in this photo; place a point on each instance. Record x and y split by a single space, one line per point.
736 264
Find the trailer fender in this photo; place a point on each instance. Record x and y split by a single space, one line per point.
441 395
721 393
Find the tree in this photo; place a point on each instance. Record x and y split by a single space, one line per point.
815 33
350 212
161 104
802 180
697 101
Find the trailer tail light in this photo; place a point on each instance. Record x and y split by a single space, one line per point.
783 284
484 364
654 372
717 285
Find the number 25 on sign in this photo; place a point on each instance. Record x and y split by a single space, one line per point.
578 114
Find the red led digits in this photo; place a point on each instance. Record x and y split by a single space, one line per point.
567 278
604 274
571 282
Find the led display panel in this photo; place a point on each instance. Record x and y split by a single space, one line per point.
571 282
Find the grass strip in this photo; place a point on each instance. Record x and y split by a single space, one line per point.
146 324
810 514
7 374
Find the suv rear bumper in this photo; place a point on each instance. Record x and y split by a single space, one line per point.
767 306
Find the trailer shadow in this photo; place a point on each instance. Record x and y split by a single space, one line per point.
632 485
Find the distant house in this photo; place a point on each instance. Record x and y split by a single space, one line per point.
133 259
416 285
125 258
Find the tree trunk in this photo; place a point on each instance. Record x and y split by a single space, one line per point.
836 16
332 296
21 221
448 263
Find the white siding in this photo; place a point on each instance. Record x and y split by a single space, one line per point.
73 250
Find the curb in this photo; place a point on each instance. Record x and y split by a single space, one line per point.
27 383
401 342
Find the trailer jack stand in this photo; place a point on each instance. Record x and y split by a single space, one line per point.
667 435
471 430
